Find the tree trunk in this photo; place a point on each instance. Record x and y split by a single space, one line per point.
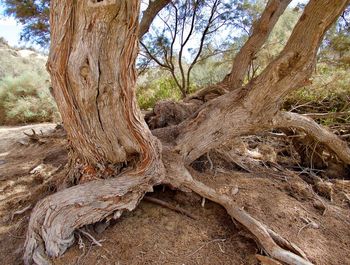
92 67
92 59
94 45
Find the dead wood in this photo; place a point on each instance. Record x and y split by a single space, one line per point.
55 218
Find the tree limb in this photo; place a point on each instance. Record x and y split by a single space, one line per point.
261 31
150 13
318 132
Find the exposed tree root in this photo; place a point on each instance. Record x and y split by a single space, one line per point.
273 244
169 206
55 218
318 132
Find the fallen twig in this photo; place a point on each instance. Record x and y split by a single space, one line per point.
207 243
34 137
169 206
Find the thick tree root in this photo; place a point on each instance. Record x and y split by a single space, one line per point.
273 244
55 218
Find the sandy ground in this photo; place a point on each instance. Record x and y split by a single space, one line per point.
155 235
10 135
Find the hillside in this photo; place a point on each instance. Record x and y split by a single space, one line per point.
24 87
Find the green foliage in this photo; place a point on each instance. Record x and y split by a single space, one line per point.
210 71
278 38
26 99
24 87
151 89
12 63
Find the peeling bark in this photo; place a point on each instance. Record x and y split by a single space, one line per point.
93 77
252 108
55 218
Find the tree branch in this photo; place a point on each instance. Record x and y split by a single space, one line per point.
204 34
318 132
149 14
261 31
251 109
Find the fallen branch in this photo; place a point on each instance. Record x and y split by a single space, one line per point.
89 236
34 137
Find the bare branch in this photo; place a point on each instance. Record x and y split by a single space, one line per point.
204 34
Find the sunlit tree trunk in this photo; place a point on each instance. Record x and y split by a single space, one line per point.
92 67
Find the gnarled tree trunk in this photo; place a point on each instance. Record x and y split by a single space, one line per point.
92 58
261 31
92 67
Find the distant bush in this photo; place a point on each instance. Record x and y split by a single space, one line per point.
26 99
151 89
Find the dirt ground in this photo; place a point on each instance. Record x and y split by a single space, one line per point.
317 219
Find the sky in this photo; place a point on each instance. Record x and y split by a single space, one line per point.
10 29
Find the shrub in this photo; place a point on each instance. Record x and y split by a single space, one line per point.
26 99
329 92
153 90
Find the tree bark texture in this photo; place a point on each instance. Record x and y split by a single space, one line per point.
92 66
252 108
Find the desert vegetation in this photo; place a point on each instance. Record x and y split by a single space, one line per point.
24 87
